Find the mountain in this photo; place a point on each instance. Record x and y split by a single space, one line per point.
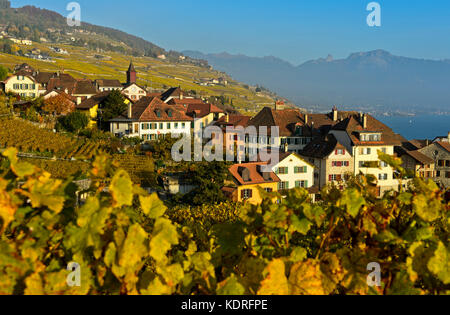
367 80
34 23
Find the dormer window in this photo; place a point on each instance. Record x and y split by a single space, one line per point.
370 137
158 113
169 113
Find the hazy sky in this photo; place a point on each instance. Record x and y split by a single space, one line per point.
295 30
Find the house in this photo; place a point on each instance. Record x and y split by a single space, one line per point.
203 114
103 85
417 163
248 179
332 161
178 184
439 152
231 138
134 92
22 84
150 118
293 172
92 105
174 93
364 136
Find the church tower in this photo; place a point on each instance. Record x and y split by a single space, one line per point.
131 74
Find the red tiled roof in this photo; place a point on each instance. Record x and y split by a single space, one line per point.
234 120
202 109
108 83
322 147
255 176
445 145
146 109
353 126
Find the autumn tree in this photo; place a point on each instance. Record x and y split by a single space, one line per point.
59 105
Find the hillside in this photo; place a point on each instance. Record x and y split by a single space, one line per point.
96 52
377 81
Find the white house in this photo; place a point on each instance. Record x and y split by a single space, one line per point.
150 119
293 172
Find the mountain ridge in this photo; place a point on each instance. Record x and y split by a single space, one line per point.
373 79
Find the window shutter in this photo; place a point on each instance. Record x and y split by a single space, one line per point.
250 193
330 178
242 194
306 184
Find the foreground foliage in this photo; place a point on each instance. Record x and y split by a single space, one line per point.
126 242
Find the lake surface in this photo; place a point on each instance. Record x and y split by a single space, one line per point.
418 127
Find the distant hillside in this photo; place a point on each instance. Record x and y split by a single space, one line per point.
35 23
376 80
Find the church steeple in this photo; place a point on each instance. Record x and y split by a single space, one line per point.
131 74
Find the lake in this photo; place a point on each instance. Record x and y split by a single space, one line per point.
418 127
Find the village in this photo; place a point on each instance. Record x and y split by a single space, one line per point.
314 150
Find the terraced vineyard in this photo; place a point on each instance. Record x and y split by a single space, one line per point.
140 168
29 138
60 169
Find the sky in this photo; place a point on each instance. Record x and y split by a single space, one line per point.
293 30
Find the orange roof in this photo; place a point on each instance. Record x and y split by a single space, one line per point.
255 175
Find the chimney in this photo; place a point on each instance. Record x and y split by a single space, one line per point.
334 112
227 118
306 119
78 100
364 121
448 137
130 111
181 95
286 147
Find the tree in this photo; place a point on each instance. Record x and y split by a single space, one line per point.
59 105
74 122
3 73
113 106
209 177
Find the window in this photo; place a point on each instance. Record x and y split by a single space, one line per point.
158 113
441 163
269 190
335 178
161 126
176 126
169 113
301 184
169 125
300 170
447 163
340 152
447 175
383 176
283 185
365 151
383 164
282 170
246 194
183 125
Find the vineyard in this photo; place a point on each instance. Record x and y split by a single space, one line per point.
127 242
60 169
28 138
140 168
